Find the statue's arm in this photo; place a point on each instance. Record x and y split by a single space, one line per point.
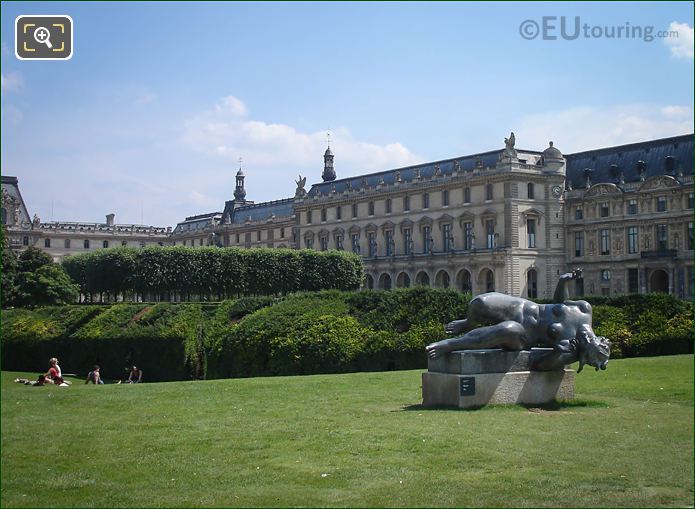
562 291
564 353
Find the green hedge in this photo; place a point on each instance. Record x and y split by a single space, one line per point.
169 273
304 333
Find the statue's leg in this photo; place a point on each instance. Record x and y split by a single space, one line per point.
509 335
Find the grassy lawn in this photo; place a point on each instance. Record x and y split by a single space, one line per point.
349 440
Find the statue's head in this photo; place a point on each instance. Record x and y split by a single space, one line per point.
593 350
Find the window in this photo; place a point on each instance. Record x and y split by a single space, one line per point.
258 237
407 241
633 280
447 241
323 215
661 237
690 236
632 207
578 244
531 232
67 244
282 233
489 281
339 213
354 210
490 233
530 190
237 238
661 204
124 243
46 242
86 243
323 241
389 243
468 237
308 216
184 242
532 284
427 239
339 242
388 205
406 203
605 242
370 207
579 286
605 291
25 240
632 240
605 210
105 244
309 242
488 192
579 213
605 275
691 201
426 201
371 239
355 243
445 198
467 195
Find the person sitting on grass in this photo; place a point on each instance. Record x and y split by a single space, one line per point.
520 324
54 374
135 375
94 376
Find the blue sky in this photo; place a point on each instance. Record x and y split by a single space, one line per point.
150 116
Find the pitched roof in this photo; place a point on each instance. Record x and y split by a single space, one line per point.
653 153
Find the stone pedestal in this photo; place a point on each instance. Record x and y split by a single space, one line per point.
474 378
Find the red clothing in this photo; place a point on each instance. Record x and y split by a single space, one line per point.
53 375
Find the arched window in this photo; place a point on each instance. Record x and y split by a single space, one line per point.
422 279
442 279
369 282
532 284
385 282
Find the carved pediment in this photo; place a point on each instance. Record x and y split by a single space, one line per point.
425 221
445 218
323 232
659 182
354 229
388 225
338 231
370 227
602 189
466 217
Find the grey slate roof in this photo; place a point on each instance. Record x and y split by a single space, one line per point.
446 166
653 153
262 211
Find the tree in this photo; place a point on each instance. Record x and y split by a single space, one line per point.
32 259
47 285
9 273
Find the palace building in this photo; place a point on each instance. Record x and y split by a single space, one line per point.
508 220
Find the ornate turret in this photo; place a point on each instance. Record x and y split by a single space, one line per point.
240 192
328 174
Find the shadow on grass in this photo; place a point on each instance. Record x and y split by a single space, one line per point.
552 406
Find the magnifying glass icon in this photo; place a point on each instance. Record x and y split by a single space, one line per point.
43 36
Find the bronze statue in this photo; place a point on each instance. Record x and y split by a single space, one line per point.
521 324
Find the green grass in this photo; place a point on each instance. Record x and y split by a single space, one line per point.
349 440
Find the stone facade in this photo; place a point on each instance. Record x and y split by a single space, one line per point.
508 220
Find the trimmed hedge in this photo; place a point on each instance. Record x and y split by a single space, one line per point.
171 273
305 333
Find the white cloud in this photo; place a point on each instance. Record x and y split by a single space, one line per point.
232 105
11 81
279 148
681 45
585 128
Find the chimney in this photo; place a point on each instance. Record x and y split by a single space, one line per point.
109 219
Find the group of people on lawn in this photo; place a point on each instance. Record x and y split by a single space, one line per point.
54 376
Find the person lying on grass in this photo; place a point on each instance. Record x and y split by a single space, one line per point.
520 324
